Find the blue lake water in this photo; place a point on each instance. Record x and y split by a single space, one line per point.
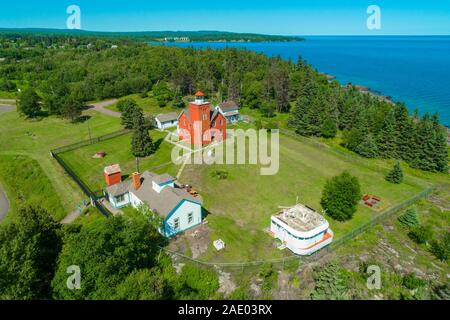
415 70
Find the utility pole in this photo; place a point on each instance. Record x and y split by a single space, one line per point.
89 131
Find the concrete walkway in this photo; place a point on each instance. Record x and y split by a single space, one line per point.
4 204
101 107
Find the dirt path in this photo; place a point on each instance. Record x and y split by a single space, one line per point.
4 204
70 217
101 107
6 108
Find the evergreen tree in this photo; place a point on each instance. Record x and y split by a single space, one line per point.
395 175
368 147
72 108
405 132
141 143
330 284
421 234
440 158
329 129
425 145
409 219
340 196
130 112
28 103
387 138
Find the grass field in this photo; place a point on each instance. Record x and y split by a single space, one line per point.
148 104
35 138
241 206
118 150
25 182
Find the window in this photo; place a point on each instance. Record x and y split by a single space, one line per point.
205 117
176 223
184 122
190 218
120 198
221 121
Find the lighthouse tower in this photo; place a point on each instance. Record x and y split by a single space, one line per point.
198 120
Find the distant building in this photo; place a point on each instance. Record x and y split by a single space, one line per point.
166 120
201 124
180 210
230 110
301 229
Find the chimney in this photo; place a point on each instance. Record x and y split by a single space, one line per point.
112 175
136 180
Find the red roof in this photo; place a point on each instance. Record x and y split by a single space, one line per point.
199 94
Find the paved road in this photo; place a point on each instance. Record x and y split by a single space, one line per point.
101 107
4 204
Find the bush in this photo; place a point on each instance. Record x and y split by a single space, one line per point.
409 219
441 249
198 283
340 196
421 234
219 174
395 175
411 282
330 283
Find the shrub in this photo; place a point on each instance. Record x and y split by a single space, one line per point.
441 249
340 196
330 283
409 219
219 174
411 282
421 234
395 175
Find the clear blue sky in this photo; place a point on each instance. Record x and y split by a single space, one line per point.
300 17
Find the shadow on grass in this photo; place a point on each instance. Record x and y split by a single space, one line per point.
82 119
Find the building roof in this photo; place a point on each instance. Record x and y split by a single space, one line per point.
302 218
114 168
199 94
163 178
162 203
165 201
166 117
119 189
228 106
186 112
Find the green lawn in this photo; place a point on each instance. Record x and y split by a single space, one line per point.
118 150
25 182
35 138
241 206
148 104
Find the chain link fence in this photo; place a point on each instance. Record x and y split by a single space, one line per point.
94 196
295 260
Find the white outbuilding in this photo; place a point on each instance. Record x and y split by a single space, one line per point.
166 120
301 229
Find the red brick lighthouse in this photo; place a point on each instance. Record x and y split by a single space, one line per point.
200 123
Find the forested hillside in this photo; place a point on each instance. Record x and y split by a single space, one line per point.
65 72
